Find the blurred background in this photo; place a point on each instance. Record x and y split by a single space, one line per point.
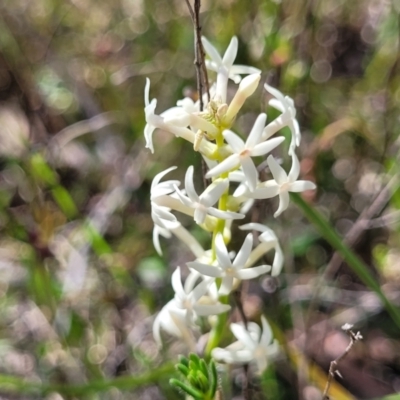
80 280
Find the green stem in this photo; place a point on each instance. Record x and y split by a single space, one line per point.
354 262
12 384
217 330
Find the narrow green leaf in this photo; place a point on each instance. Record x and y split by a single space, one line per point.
203 367
213 378
186 388
183 369
354 262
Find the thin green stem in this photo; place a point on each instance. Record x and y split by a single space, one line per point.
218 329
354 262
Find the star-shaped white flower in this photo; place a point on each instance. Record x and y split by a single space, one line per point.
282 183
167 121
202 204
244 151
268 241
217 63
179 314
285 105
228 270
162 215
253 346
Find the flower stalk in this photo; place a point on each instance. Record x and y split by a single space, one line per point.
216 273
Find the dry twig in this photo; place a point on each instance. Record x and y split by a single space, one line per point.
333 369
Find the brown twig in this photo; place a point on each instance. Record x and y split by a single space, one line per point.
333 369
201 71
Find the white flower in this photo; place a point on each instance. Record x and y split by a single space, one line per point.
282 184
227 270
253 346
160 214
202 204
224 66
285 105
161 121
244 151
190 301
268 241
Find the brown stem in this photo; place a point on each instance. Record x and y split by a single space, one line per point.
333 369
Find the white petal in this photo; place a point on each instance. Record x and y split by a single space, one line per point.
163 213
256 131
295 169
185 200
200 290
244 252
148 135
250 273
278 261
200 215
210 197
204 269
214 309
283 203
277 171
244 70
266 191
226 285
177 283
266 336
228 164
301 186
232 357
250 171
234 141
159 176
243 336
224 214
211 51
222 253
189 186
230 53
265 147
276 93
147 92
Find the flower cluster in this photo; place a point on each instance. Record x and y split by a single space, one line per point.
235 183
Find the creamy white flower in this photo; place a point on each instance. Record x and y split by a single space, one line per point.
202 204
160 214
253 346
228 270
282 183
161 121
285 105
178 316
268 241
244 151
224 66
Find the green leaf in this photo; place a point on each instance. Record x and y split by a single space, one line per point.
354 262
187 389
213 378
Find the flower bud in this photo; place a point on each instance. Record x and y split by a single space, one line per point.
246 88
